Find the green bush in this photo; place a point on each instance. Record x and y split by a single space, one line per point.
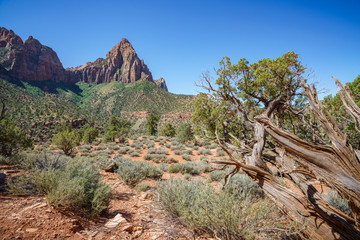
335 200
204 152
74 185
90 134
117 128
217 175
151 124
141 187
186 157
12 138
168 130
66 141
132 172
175 168
185 133
220 214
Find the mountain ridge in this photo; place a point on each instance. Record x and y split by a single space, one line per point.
31 61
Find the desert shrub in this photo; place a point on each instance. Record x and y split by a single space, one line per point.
220 214
220 152
66 141
132 172
150 144
185 133
187 151
168 145
217 175
76 185
172 160
21 185
123 150
196 147
163 167
83 148
175 168
186 157
90 134
100 148
204 152
204 158
117 128
152 124
141 187
168 130
335 200
177 152
12 138
187 176
240 185
135 154
211 146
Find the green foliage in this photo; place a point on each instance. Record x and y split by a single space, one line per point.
12 138
335 200
222 214
141 187
117 128
132 172
66 141
90 134
185 133
168 130
76 187
151 124
337 110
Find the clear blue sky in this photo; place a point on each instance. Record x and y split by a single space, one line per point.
179 40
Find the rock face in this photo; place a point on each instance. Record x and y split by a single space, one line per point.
29 61
161 83
32 61
121 64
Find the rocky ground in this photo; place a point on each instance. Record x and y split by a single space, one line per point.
131 215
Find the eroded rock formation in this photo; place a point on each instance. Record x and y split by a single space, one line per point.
32 61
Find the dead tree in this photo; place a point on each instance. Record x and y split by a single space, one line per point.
301 162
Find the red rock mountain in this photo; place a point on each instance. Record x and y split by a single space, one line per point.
32 61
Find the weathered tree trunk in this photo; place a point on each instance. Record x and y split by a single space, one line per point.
337 166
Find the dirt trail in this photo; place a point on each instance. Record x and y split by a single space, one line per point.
131 215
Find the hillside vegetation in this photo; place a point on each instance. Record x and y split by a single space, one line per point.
42 103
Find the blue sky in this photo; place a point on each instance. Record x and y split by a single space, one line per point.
179 40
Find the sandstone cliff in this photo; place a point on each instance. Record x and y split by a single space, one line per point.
29 61
121 64
32 61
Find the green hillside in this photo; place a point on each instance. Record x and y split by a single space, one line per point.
43 102
114 98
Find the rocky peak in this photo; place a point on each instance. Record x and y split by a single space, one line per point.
161 83
29 61
32 61
121 64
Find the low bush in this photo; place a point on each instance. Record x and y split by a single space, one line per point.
132 172
217 175
204 152
335 200
73 185
186 157
163 167
141 187
221 214
220 152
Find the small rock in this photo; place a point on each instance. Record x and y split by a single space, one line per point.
114 222
31 230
